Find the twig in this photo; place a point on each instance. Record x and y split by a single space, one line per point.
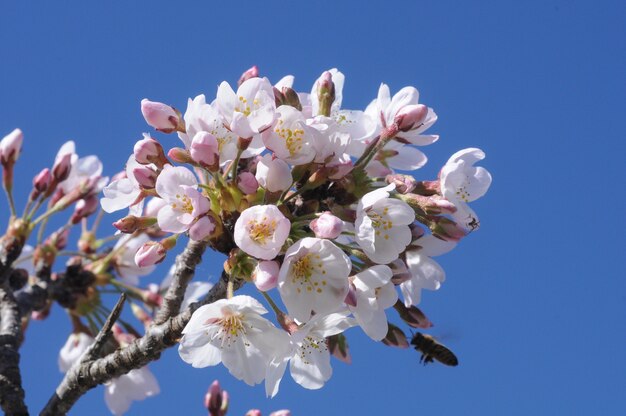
184 271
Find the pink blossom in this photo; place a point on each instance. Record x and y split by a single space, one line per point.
247 183
160 116
326 226
261 231
265 275
11 146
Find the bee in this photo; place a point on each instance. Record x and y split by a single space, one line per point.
432 350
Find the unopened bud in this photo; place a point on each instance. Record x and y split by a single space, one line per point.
325 93
273 174
410 116
326 226
203 228
291 98
131 223
404 183
62 166
58 239
243 143
179 155
148 150
247 183
446 229
42 180
252 72
10 147
145 176
204 151
265 275
395 337
431 205
161 116
84 208
216 400
253 412
413 316
150 253
283 412
427 188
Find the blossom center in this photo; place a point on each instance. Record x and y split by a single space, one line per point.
304 271
261 231
462 192
184 204
231 327
309 346
292 137
381 222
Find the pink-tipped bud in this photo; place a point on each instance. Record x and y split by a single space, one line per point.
326 226
62 166
431 205
413 316
351 298
160 116
404 183
149 254
148 150
252 72
325 93
204 151
202 229
410 116
42 180
58 239
216 400
84 208
131 223
247 183
145 176
395 337
283 412
179 155
265 275
253 412
446 229
10 147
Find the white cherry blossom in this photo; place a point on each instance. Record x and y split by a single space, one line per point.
462 182
123 192
261 231
126 248
374 294
307 353
273 174
290 138
232 331
177 186
74 348
313 278
382 225
137 385
251 110
425 272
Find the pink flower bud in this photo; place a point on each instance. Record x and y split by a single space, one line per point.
273 174
265 275
325 93
404 183
431 205
84 208
160 116
326 226
202 229
41 182
395 337
253 412
247 183
216 400
447 229
62 166
413 316
148 150
145 176
410 116
179 155
253 72
149 254
58 239
127 225
204 150
10 147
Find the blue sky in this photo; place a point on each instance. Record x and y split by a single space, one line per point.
534 304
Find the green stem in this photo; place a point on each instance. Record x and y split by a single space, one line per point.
11 201
275 308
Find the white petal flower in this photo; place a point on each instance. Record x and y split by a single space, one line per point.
261 231
74 348
126 248
308 353
251 110
124 192
291 139
232 331
273 174
425 272
136 385
374 294
382 225
462 182
330 142
177 187
313 278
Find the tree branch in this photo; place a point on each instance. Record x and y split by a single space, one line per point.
185 268
11 391
103 336
136 355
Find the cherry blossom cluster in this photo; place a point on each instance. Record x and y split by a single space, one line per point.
314 205
307 200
